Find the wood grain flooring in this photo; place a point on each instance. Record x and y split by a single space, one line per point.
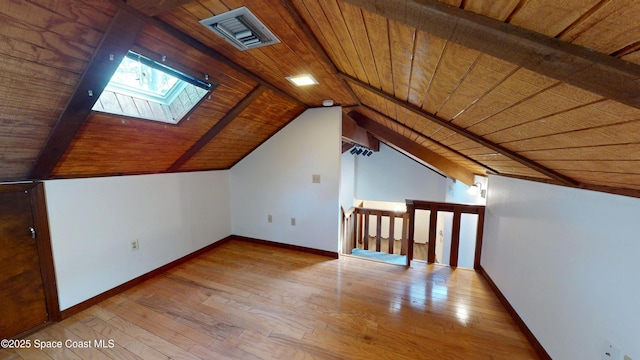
251 301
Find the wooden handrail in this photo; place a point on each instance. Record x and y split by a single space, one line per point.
348 213
358 209
445 206
457 210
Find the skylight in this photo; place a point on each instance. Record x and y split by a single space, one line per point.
139 79
146 89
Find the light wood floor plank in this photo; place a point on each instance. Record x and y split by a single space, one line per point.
80 329
8 354
249 301
58 332
56 353
268 347
153 323
109 331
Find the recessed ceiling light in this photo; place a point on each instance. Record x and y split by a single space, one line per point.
302 80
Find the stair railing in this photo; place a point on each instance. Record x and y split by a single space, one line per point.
356 225
457 210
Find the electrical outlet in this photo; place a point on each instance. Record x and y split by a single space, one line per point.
269 218
135 245
293 221
610 352
315 178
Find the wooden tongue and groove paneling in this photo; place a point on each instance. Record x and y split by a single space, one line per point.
548 126
258 122
454 157
550 17
295 53
607 165
576 133
610 28
46 46
442 140
530 115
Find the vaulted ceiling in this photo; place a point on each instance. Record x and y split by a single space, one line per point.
539 89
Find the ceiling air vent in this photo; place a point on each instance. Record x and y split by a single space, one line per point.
241 28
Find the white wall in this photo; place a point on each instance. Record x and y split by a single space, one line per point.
347 180
93 222
276 179
388 175
567 261
457 192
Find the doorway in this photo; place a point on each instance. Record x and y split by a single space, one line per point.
28 294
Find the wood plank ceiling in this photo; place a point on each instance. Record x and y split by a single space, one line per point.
538 89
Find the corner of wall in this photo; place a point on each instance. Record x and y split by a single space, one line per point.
276 179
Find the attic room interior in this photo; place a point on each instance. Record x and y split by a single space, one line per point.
239 186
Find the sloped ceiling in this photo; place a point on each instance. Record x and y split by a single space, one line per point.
536 89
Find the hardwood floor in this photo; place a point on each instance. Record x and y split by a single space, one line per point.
250 301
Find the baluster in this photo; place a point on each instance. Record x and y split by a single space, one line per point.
358 227
392 221
378 230
405 234
354 223
431 248
455 238
365 214
411 210
479 232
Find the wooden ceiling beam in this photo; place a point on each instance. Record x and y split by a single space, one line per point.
218 127
468 134
346 146
412 149
354 134
488 169
596 72
116 41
